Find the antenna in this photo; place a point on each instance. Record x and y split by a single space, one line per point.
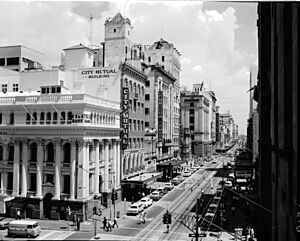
91 30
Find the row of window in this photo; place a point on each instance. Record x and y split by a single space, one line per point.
134 87
4 88
9 61
136 125
135 143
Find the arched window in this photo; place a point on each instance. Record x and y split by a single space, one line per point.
34 118
42 118
1 153
11 150
48 118
54 118
67 152
28 117
33 152
70 117
12 118
63 118
50 152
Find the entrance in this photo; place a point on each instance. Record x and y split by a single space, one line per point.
47 205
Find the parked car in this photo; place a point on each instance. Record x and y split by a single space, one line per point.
176 181
163 190
169 186
187 174
26 228
135 208
156 195
4 224
147 201
228 184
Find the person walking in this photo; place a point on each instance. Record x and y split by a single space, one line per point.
115 223
18 214
144 217
78 223
109 225
104 223
74 219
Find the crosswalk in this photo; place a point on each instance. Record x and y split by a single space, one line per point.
54 235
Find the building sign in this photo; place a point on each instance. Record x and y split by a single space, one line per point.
97 73
243 173
125 116
160 115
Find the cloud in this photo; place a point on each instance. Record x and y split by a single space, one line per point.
186 61
197 68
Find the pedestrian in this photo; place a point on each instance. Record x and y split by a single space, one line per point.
109 225
104 223
78 223
18 214
144 217
115 223
140 218
74 219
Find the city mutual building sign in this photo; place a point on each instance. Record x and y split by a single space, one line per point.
125 116
160 115
97 73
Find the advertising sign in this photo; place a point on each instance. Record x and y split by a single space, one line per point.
97 73
160 115
125 116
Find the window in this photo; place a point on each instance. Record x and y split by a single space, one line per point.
130 104
147 84
28 118
149 59
4 88
192 111
126 50
115 30
2 61
163 58
54 118
32 186
13 61
146 111
147 97
34 118
146 124
66 188
191 104
12 118
0 118
42 118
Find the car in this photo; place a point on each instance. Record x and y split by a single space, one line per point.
169 186
176 181
156 195
135 208
187 174
228 184
163 190
4 224
147 201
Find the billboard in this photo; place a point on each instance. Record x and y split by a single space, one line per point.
125 116
160 115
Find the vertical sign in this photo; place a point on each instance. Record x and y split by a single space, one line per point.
125 116
160 115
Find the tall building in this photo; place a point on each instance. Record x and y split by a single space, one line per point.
227 128
278 85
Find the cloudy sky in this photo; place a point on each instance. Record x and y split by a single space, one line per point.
217 40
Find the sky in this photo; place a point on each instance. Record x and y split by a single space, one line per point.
217 40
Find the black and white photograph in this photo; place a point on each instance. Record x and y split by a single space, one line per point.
149 120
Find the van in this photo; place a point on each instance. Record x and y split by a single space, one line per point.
23 228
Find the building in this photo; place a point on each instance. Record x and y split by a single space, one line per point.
228 128
195 116
278 78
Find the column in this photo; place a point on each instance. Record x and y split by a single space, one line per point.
16 174
101 146
57 143
106 162
73 169
39 168
118 175
24 168
86 167
115 164
80 172
4 173
96 176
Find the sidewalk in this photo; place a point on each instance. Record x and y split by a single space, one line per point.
86 226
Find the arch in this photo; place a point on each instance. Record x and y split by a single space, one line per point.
1 152
67 152
69 117
42 118
54 118
48 118
11 153
63 117
34 120
50 152
33 152
28 119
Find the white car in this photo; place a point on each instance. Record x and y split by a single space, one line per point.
156 195
135 208
228 184
147 201
169 186
187 174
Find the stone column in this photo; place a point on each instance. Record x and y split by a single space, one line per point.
39 168
73 169
24 168
87 167
82 172
118 174
106 162
57 143
115 164
96 176
3 173
16 172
